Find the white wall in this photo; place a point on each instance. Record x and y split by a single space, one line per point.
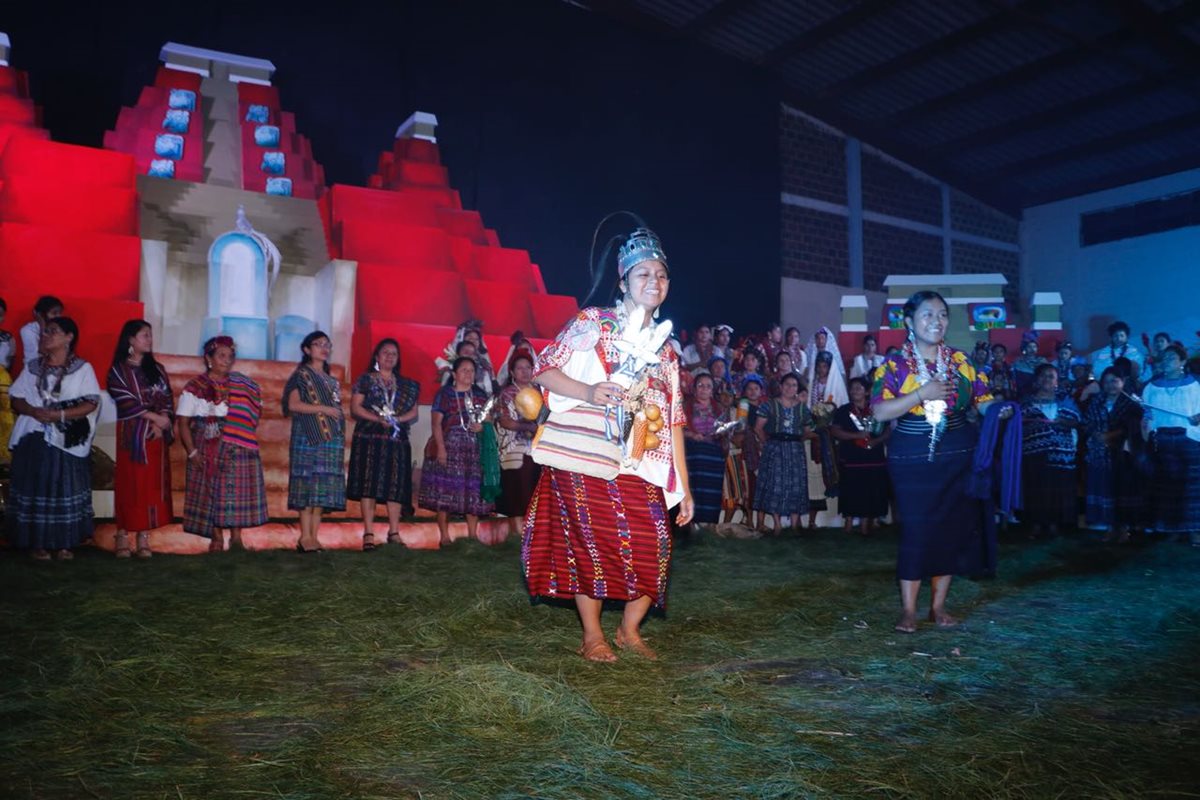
808 305
1151 282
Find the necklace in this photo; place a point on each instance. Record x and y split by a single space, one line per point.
466 407
935 410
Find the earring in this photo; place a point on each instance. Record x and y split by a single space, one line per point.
207 364
131 351
656 313
377 365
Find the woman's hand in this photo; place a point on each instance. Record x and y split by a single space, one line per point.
936 389
476 427
333 411
605 393
687 509
441 454
45 415
155 432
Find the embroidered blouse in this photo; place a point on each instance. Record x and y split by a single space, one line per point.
230 410
900 377
1180 395
59 388
376 395
512 443
316 388
454 408
1040 437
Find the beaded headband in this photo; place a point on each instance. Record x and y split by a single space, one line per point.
642 245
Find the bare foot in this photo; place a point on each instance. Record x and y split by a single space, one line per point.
635 644
942 619
907 623
597 650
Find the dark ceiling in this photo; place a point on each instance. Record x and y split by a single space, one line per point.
1017 101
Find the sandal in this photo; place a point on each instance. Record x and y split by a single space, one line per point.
121 541
64 555
143 545
638 646
394 538
369 542
40 555
597 651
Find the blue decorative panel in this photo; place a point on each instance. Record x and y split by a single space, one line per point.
279 186
259 114
266 136
162 168
168 145
182 99
177 121
274 163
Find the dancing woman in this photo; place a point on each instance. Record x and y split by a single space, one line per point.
595 539
929 387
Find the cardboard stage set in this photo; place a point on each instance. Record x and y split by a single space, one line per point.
206 212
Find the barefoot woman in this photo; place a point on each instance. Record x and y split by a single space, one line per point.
591 538
929 387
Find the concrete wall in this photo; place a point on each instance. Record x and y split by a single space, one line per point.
1151 282
810 304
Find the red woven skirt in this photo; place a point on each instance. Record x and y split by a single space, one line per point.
142 492
603 539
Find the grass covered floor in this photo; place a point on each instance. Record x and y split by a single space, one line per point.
429 674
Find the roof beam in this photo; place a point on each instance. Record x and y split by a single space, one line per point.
937 47
1006 80
713 16
1096 147
1114 179
829 29
1160 32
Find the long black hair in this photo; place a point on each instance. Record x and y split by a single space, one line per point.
148 366
374 365
923 296
305 358
67 326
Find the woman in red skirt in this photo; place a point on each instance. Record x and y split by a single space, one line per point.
139 386
598 526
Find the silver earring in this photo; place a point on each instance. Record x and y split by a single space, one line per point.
130 351
656 313
377 365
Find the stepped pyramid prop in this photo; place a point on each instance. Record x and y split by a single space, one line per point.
68 224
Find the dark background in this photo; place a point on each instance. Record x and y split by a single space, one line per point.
549 117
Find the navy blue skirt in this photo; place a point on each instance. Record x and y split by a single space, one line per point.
941 526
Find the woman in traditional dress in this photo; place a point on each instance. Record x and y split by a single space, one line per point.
592 538
1112 427
737 491
705 456
782 367
58 399
1026 366
316 454
218 413
869 360
1050 440
145 415
1172 427
862 462
751 364
929 387
452 477
1000 374
518 472
723 394
384 405
795 347
782 486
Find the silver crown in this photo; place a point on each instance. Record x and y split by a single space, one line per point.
642 245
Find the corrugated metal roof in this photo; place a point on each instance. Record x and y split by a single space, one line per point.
1035 95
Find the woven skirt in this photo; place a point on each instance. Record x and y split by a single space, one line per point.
316 474
380 468
1176 489
706 477
517 487
50 496
1049 492
941 526
142 492
782 486
603 539
1114 495
225 489
455 487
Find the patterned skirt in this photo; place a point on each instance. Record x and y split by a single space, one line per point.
380 468
517 487
225 489
1049 491
738 487
706 476
51 496
941 526
142 492
782 486
316 474
603 539
1176 483
455 487
1113 491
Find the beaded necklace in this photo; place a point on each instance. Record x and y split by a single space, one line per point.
935 410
